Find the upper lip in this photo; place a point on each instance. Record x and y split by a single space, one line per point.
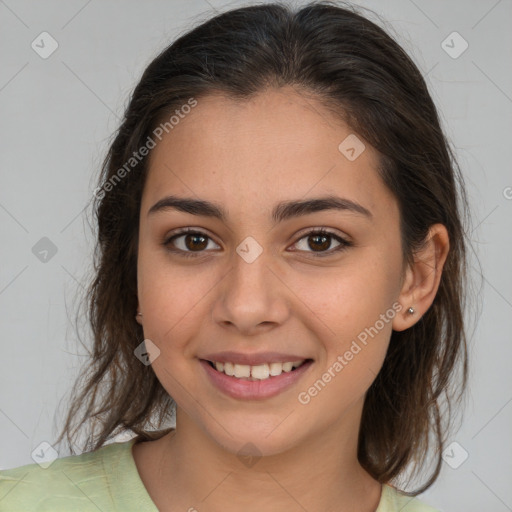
252 359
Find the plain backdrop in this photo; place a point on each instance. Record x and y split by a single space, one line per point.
57 114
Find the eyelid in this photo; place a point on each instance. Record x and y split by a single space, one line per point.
344 241
322 229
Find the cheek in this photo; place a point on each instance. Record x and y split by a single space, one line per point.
174 304
358 312
174 300
351 312
352 297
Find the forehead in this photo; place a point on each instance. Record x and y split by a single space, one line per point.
277 145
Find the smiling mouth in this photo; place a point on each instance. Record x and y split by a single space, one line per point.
257 372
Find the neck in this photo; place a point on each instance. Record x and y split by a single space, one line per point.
187 470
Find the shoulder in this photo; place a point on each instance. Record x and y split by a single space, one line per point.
393 500
90 481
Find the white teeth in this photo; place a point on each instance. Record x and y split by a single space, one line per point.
257 372
276 369
242 370
262 371
287 367
229 369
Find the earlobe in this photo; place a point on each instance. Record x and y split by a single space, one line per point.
422 278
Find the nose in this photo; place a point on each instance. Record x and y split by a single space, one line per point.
252 296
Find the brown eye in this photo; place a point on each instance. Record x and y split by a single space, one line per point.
195 241
187 242
319 242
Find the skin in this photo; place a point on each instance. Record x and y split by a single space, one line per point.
247 156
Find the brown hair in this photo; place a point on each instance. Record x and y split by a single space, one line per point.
356 69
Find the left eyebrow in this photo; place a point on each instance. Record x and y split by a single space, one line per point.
282 211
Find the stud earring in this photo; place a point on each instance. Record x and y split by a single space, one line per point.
138 314
410 310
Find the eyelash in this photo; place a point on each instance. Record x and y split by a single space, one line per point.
344 244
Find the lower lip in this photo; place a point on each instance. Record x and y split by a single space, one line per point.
254 389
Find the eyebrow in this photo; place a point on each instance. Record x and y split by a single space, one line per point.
282 211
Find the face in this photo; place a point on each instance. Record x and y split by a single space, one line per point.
259 284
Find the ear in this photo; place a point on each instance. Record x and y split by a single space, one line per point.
138 317
422 278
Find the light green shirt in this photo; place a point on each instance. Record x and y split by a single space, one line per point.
107 480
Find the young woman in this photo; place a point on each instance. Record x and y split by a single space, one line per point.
281 264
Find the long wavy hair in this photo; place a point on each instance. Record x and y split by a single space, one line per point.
339 57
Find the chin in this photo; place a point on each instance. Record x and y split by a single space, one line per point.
260 437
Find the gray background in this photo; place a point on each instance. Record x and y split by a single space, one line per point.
58 113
